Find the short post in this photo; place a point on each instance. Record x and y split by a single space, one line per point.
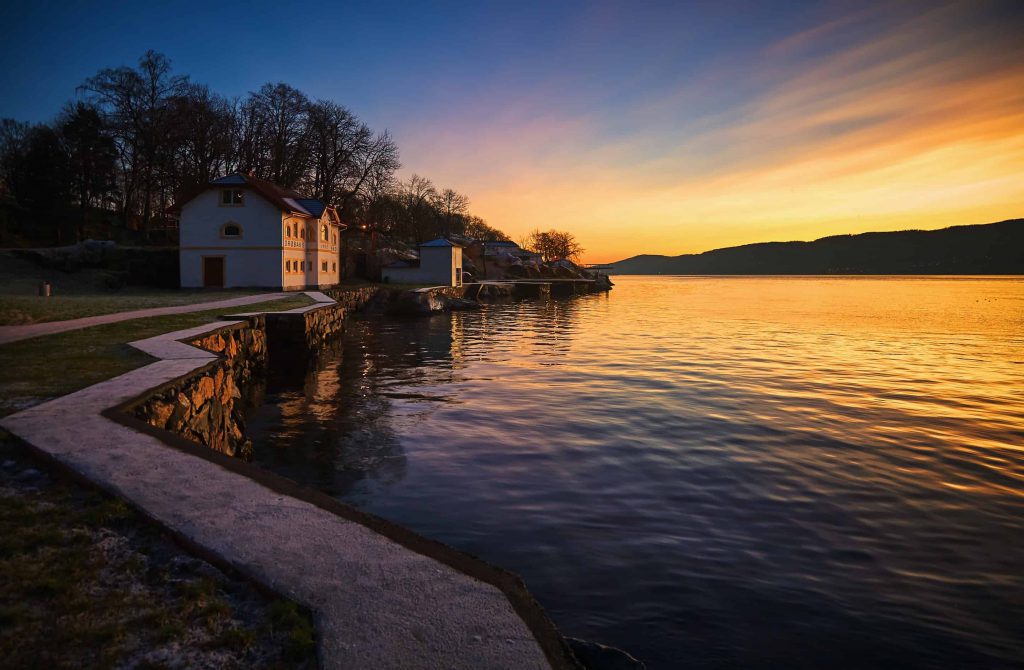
45 290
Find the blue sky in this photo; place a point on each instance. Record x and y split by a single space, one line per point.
641 126
382 59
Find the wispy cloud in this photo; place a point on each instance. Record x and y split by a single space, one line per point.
866 120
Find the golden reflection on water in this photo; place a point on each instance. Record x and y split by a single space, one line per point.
723 469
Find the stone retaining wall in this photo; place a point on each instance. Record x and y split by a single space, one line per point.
207 407
353 299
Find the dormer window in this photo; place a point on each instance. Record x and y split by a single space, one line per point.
231 197
230 230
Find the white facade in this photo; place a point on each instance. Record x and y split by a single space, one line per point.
440 265
258 244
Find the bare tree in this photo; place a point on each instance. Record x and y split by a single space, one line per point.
451 206
135 104
417 196
13 139
201 134
553 245
477 229
378 160
167 133
278 122
91 158
336 135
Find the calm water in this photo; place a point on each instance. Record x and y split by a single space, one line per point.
707 472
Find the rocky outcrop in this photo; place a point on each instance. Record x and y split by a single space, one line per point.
430 301
416 303
208 406
495 291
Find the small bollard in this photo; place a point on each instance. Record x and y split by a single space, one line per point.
45 289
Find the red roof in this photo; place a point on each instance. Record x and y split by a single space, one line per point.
284 199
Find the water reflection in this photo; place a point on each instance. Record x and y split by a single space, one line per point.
337 425
748 472
329 426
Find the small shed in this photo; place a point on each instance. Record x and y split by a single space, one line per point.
439 264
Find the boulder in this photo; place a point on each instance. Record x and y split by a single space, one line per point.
495 291
416 303
461 305
421 303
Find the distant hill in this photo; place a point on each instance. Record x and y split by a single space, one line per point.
992 248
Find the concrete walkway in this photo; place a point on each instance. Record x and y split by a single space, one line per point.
15 333
377 604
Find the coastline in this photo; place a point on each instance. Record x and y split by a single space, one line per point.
108 438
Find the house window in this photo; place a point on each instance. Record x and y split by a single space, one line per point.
230 230
288 230
334 267
323 267
327 235
231 197
287 266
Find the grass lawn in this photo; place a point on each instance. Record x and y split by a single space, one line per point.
22 309
35 370
82 293
86 582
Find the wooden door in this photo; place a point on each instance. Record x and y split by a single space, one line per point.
213 271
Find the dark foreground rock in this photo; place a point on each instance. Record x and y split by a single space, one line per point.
495 291
462 305
596 656
422 303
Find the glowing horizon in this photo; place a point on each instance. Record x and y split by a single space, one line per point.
656 127
840 129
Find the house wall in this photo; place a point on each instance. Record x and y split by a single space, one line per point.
309 250
438 266
325 251
254 259
271 251
295 246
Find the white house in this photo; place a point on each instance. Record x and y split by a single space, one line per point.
243 231
439 264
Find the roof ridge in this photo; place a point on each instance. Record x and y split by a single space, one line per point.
279 196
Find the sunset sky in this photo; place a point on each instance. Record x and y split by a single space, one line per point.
641 127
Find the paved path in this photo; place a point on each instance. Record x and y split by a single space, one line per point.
377 604
15 333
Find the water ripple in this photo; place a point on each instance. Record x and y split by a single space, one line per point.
709 472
